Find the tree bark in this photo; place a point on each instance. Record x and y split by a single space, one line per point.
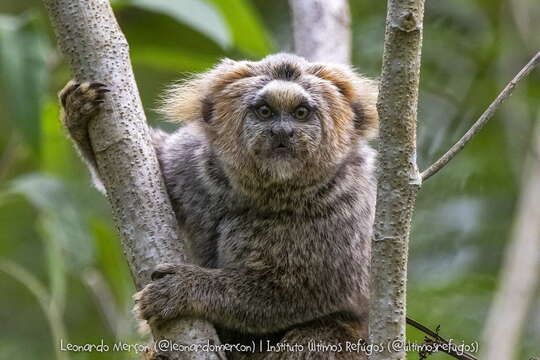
322 30
90 38
520 272
398 176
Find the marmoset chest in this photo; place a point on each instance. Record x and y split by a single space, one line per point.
229 234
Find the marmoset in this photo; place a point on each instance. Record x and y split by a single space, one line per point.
272 180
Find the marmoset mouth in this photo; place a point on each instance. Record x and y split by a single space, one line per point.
282 150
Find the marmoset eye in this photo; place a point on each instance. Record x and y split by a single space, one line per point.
264 112
301 112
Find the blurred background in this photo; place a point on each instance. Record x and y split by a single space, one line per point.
62 271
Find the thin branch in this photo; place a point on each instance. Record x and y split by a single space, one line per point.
447 348
479 124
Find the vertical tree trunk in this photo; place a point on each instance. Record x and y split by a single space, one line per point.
398 176
90 38
322 30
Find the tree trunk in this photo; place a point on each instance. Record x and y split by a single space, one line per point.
322 30
398 176
90 38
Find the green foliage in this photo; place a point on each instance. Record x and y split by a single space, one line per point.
23 51
49 304
197 14
249 34
61 265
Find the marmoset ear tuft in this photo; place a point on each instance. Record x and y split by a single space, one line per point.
192 99
360 92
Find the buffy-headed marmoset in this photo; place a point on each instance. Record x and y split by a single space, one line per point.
272 181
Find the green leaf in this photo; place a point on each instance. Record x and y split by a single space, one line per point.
68 245
47 304
57 156
56 264
111 262
249 34
62 221
198 14
172 59
187 51
23 52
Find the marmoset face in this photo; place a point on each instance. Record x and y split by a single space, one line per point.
280 118
282 128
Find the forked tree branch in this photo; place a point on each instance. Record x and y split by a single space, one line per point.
479 124
96 49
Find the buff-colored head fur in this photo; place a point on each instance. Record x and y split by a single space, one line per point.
224 102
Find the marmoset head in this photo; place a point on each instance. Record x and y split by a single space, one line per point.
279 118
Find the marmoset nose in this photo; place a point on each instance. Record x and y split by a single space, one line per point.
282 131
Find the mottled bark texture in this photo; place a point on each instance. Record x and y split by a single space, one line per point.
322 30
520 272
398 176
96 49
